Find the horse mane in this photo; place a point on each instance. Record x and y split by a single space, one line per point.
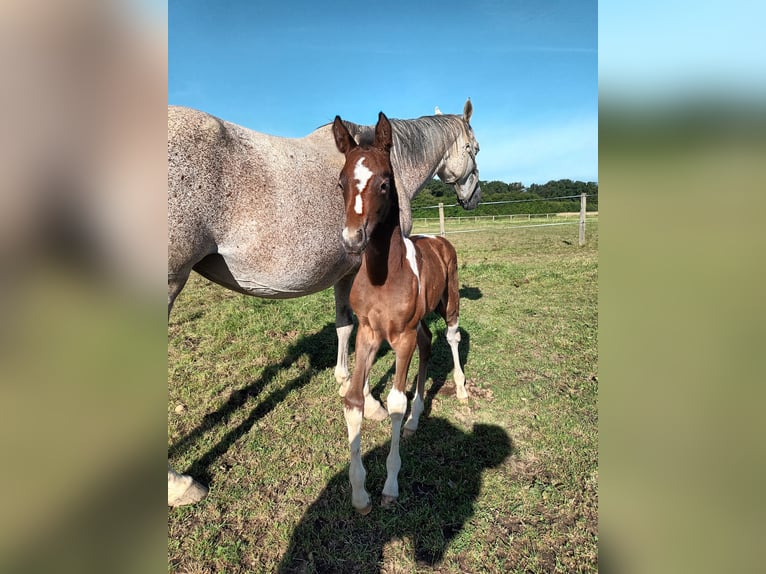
416 141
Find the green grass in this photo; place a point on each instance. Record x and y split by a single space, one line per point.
504 483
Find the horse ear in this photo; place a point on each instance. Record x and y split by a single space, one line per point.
343 139
468 110
437 111
383 137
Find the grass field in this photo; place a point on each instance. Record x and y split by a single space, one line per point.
506 482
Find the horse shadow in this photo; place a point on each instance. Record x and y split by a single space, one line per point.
439 482
470 293
318 347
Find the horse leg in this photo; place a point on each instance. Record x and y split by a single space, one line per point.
397 405
424 354
367 345
176 282
344 325
182 488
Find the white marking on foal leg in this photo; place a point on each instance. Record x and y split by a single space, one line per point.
453 338
373 410
360 498
183 489
397 405
412 258
414 419
342 375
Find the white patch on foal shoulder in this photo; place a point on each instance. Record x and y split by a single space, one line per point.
362 175
411 258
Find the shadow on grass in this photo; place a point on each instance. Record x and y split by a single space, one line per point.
470 293
320 348
439 484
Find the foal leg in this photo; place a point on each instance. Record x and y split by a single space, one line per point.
344 326
367 345
397 405
449 306
424 353
453 338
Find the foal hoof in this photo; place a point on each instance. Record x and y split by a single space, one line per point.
386 501
407 433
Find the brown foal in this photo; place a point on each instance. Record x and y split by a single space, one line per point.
399 282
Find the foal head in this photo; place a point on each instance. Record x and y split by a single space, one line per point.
367 181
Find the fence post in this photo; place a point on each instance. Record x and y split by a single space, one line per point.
582 219
441 219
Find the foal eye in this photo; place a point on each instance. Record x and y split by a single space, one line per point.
384 186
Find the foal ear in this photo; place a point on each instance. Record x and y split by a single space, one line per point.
467 110
343 140
383 138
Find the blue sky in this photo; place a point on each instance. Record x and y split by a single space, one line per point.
530 68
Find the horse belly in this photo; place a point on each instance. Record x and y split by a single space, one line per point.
283 283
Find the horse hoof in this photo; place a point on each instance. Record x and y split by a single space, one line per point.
407 433
387 501
193 493
366 510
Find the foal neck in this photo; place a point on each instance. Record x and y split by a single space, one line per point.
385 252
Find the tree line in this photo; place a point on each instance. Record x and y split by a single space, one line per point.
534 198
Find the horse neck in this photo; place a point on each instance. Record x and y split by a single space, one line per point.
419 147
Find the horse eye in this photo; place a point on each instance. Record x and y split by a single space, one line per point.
384 186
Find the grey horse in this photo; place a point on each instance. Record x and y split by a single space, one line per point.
262 215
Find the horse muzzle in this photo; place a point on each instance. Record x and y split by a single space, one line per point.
471 199
354 241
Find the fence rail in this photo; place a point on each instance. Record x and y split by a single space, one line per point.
511 217
582 219
484 223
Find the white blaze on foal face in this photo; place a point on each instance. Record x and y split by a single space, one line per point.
362 176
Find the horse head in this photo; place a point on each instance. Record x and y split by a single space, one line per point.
458 167
367 182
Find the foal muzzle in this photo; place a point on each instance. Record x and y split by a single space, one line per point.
354 241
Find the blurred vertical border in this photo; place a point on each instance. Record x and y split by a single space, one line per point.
682 174
82 244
